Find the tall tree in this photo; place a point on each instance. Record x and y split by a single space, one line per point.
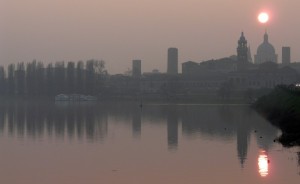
70 77
2 80
59 75
20 78
80 78
90 76
31 78
49 87
11 79
99 66
40 79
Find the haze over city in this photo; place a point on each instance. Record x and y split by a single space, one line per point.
149 91
119 31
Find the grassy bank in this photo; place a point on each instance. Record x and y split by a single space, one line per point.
282 108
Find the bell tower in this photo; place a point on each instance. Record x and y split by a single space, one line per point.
242 53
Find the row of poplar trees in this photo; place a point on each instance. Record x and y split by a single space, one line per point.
36 79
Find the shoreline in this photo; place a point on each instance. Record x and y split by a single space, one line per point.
208 99
282 108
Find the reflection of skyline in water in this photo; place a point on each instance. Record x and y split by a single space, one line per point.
229 122
91 121
172 126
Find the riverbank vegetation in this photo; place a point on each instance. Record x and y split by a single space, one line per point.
34 79
282 108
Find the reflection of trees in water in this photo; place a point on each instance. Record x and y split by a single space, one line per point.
20 120
35 115
2 119
58 120
90 120
79 120
84 120
10 120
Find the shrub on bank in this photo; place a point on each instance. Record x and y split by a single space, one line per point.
282 108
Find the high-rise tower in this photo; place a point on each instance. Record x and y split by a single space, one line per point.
172 61
286 55
136 68
249 55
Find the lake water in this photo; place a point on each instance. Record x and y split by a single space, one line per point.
121 143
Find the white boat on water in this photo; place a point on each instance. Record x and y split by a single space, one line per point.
90 98
75 97
62 97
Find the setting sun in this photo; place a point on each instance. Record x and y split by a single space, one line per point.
263 17
263 164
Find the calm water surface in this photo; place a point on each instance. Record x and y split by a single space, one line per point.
120 143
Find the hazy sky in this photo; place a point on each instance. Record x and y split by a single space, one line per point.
118 31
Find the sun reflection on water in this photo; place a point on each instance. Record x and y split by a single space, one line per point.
263 164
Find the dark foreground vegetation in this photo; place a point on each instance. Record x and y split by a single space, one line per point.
282 108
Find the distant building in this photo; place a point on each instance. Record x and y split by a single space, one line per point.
264 73
267 75
242 53
265 52
296 66
286 55
249 55
190 68
234 74
242 49
156 71
218 66
172 61
136 68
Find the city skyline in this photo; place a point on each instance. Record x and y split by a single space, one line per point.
119 32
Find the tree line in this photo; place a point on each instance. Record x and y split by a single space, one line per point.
36 79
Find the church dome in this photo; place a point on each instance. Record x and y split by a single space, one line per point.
265 47
265 52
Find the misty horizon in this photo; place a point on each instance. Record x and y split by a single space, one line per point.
119 32
149 91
